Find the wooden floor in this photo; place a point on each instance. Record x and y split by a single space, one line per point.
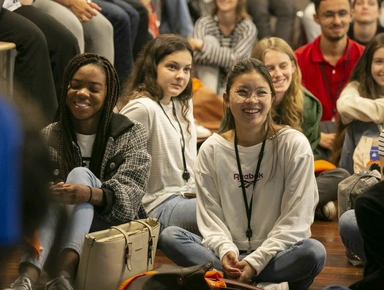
337 270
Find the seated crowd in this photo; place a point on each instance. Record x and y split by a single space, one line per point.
121 131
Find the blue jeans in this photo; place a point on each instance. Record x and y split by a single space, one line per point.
177 211
175 18
143 35
350 234
298 265
65 226
370 218
125 20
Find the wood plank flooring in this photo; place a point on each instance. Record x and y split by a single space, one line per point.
336 271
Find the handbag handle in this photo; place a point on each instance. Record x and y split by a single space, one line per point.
128 248
150 241
128 244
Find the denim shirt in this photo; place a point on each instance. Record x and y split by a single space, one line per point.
355 131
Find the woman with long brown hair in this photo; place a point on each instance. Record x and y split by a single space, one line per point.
158 95
361 106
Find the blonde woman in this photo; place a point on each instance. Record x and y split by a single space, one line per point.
298 108
294 106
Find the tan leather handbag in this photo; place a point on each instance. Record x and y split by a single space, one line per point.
113 255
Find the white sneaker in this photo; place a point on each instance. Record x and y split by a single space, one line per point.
21 283
273 286
59 283
201 131
328 212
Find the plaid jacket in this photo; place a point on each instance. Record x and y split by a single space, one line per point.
124 170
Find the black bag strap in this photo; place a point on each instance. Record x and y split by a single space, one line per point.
174 277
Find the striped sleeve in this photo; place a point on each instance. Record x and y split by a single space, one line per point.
381 144
222 51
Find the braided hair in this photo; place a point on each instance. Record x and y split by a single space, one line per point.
66 133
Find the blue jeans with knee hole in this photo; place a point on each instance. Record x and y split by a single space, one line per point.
65 226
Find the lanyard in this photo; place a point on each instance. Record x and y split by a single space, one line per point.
334 97
186 174
248 209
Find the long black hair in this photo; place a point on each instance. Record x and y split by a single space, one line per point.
247 66
66 134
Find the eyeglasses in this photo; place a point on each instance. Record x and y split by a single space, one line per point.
259 93
328 16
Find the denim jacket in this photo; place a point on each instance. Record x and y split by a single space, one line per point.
355 131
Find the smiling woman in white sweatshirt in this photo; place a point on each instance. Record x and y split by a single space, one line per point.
256 193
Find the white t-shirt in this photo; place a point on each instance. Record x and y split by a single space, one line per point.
85 143
164 145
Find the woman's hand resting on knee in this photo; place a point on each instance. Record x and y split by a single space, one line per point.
247 271
228 262
76 193
233 269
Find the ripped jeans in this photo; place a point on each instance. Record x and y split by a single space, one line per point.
65 226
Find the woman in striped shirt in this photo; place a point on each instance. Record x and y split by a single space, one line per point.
220 40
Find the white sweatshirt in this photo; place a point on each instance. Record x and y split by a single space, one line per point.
284 200
165 148
351 106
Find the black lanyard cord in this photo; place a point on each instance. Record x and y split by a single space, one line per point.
334 97
260 158
186 174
